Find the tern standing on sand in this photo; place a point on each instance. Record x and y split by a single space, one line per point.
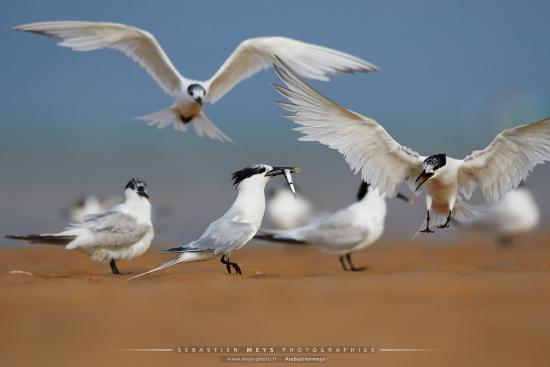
343 231
367 147
121 233
250 57
237 226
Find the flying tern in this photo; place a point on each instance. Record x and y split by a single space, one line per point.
250 57
237 226
343 231
367 147
514 215
123 232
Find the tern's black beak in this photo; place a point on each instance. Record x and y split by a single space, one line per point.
198 100
143 192
422 178
287 172
281 170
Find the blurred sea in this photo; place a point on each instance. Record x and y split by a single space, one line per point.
45 168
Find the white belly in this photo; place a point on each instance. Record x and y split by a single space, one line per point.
441 195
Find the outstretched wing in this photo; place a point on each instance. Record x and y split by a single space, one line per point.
256 54
138 44
365 144
508 160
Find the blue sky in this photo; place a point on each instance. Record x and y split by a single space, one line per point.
456 70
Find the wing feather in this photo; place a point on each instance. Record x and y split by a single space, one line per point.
138 44
366 145
108 229
223 235
256 54
508 160
111 221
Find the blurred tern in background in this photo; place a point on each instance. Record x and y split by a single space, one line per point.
286 210
367 147
236 227
343 231
88 205
123 232
92 204
514 215
250 57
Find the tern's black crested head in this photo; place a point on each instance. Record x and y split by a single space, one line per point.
434 162
247 172
139 186
363 190
135 184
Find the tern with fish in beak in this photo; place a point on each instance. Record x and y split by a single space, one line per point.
237 226
367 147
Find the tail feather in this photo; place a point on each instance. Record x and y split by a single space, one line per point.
465 212
164 118
172 261
180 250
277 237
187 256
201 124
43 239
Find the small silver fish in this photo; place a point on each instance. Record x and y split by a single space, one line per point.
290 182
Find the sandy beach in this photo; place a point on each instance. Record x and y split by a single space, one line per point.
474 303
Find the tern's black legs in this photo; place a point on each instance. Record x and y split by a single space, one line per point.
223 261
427 229
236 267
446 224
343 262
505 241
229 264
114 269
349 266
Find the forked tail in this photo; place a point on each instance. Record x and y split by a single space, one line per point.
47 239
202 125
